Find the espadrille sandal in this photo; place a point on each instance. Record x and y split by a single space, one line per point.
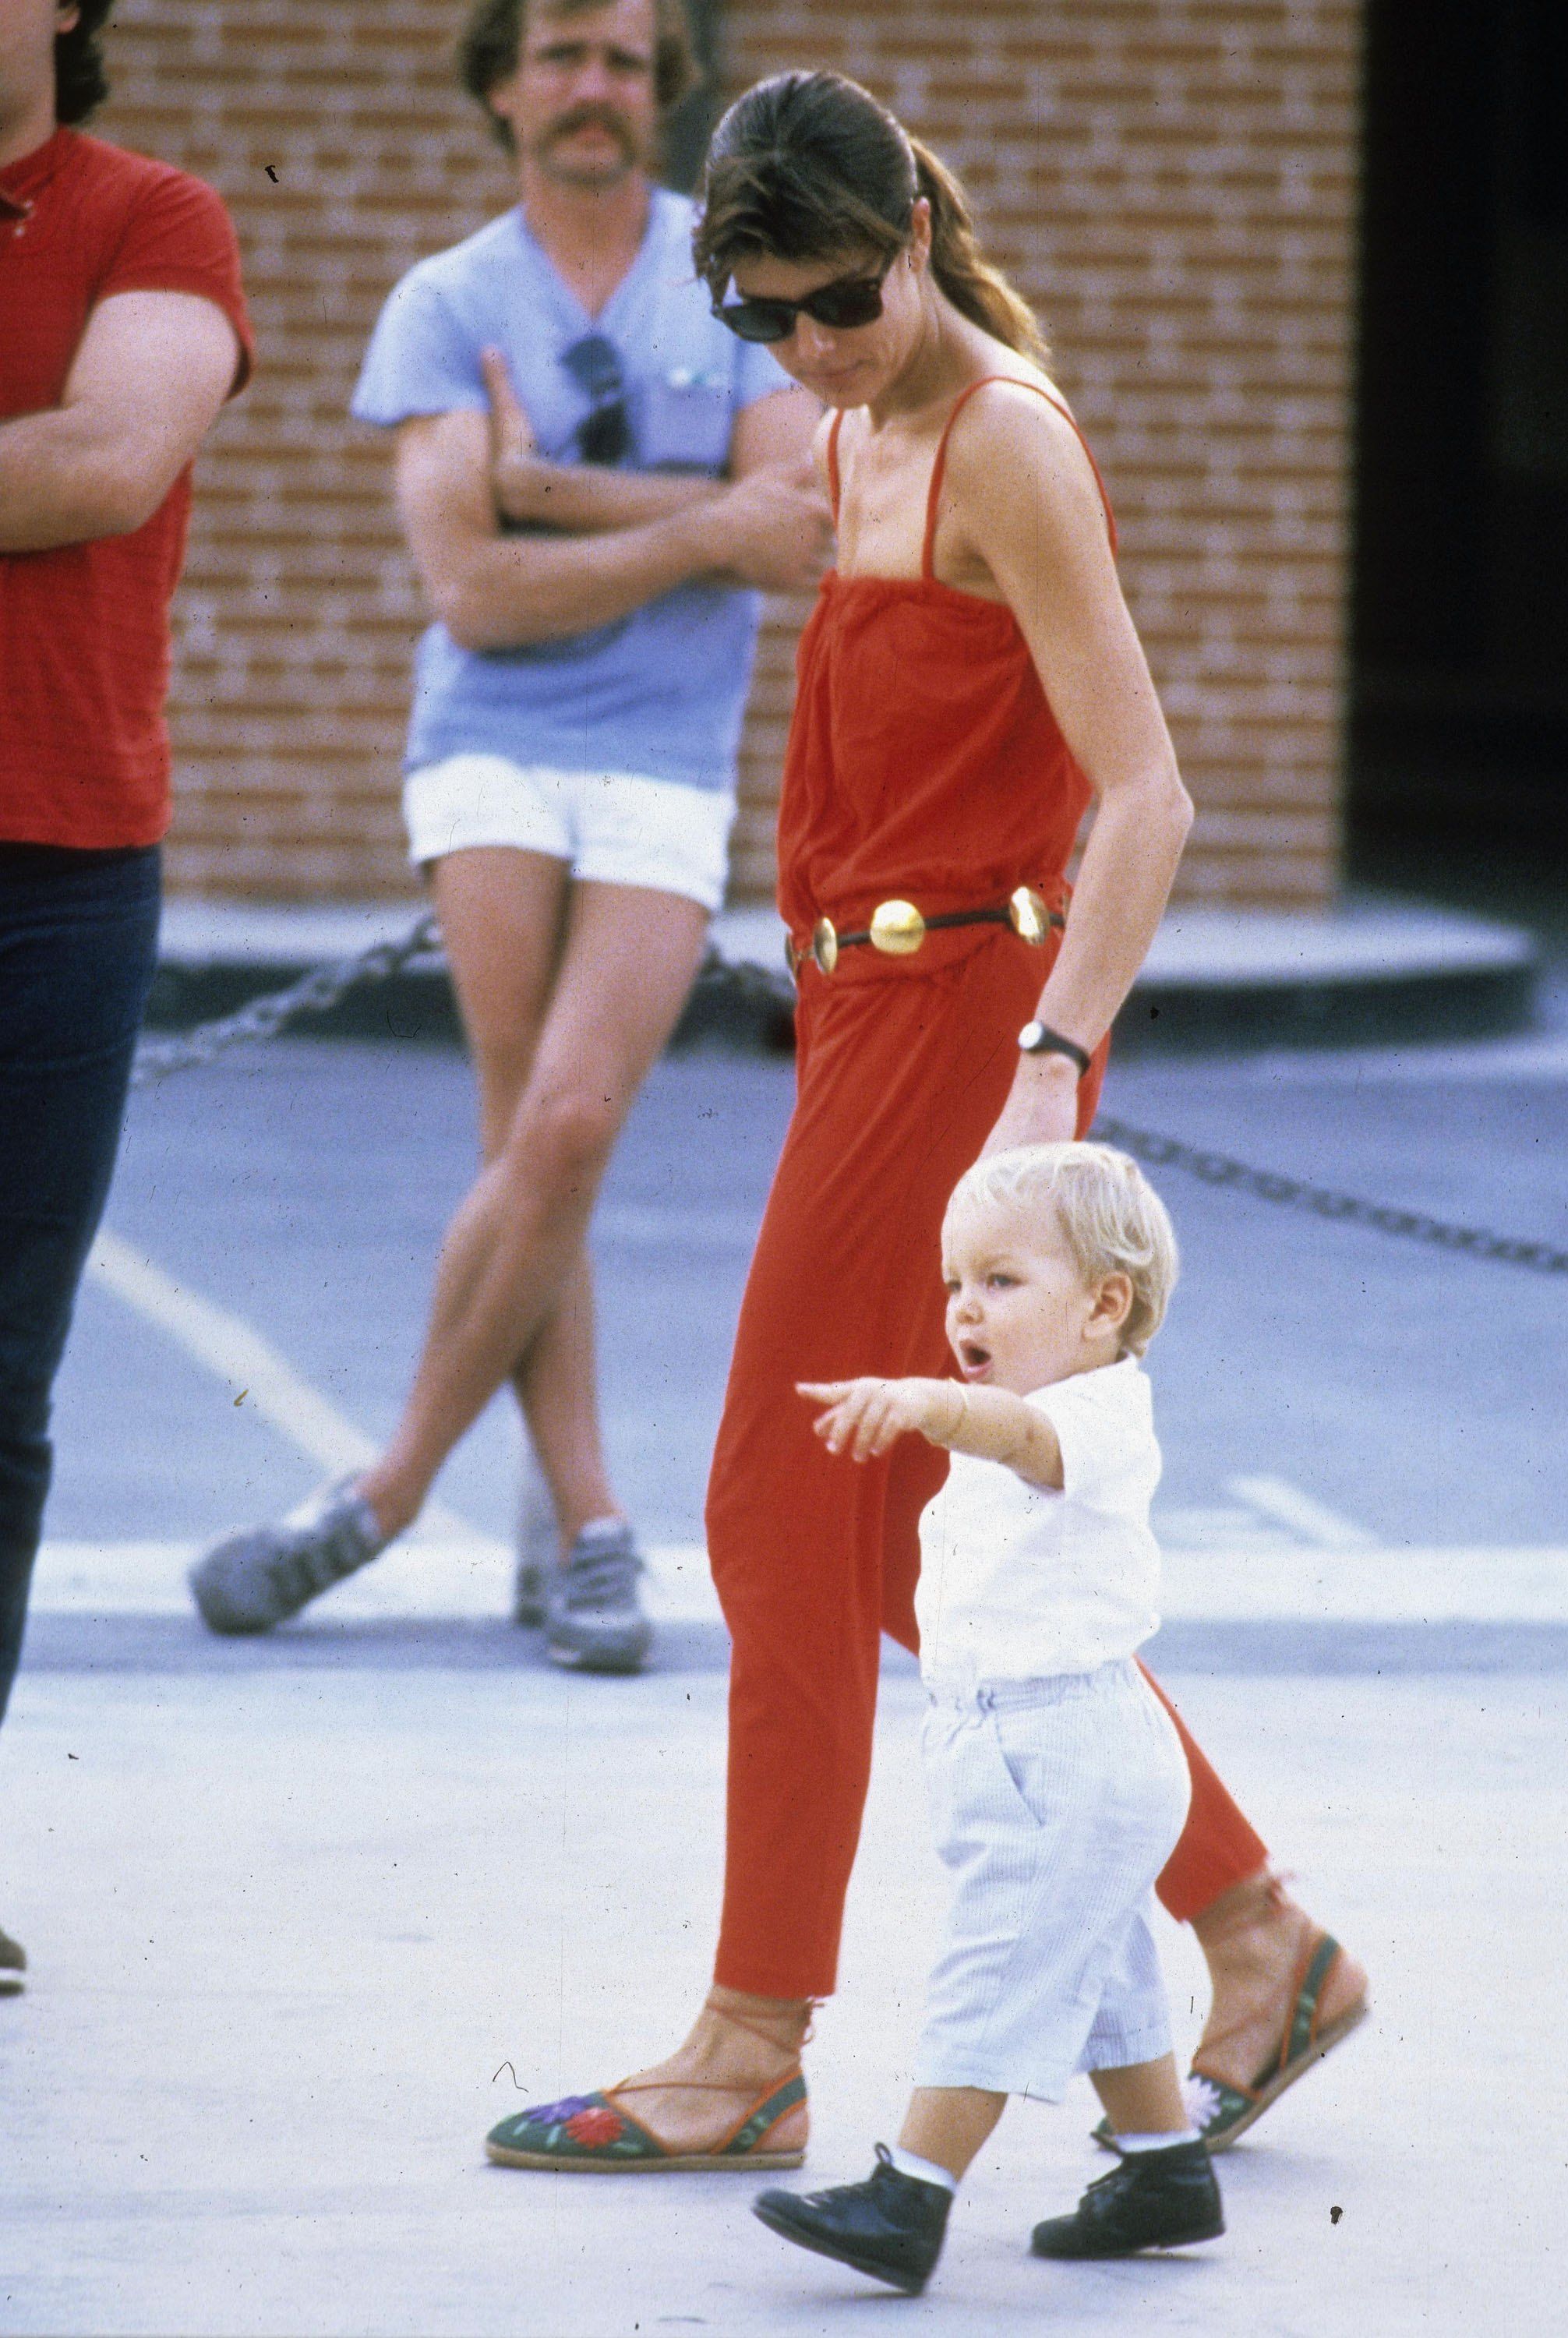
589 2135
1222 2112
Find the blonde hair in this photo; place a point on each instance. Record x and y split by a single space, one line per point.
1108 1213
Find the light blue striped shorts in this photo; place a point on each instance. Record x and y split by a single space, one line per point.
1055 1802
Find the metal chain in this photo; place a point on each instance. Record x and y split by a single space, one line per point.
325 986
315 993
1327 1201
756 986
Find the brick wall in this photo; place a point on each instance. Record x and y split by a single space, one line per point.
1171 181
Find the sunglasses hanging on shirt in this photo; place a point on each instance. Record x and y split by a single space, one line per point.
847 302
605 434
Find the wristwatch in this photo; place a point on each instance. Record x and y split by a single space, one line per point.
1038 1038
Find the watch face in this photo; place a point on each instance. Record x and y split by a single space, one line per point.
1030 1037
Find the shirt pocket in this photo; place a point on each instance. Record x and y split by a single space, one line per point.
681 423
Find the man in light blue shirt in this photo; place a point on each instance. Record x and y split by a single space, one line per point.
596 480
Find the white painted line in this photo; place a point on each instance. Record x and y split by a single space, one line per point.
1285 1505
439 1579
227 1346
430 1579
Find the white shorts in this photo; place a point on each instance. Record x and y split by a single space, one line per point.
1055 1802
610 828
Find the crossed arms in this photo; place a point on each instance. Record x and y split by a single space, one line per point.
151 373
625 538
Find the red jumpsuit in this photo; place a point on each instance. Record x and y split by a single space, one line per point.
924 764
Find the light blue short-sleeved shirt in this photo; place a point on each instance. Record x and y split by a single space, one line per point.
662 691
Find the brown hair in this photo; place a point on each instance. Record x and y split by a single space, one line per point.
808 166
492 43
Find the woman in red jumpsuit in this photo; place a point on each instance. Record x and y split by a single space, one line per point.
969 684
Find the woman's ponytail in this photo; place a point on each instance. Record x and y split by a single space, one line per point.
809 166
976 288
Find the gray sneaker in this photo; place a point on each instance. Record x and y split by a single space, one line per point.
596 1622
256 1580
12 1965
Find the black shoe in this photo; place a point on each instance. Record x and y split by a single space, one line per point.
1154 2200
12 1965
891 2226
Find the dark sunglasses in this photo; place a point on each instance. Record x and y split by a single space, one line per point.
605 434
841 306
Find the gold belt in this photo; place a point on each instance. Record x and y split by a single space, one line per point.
897 928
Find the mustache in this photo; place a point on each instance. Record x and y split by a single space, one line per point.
600 117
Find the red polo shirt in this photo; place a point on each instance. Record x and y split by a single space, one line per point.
84 628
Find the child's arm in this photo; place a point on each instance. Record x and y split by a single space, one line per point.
865 1417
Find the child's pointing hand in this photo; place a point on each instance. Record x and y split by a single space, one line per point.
865 1417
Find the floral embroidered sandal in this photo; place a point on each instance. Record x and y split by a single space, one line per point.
586 2135
1222 2112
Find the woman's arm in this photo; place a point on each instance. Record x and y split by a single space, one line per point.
1025 502
865 1417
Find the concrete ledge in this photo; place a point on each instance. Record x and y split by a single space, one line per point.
1375 969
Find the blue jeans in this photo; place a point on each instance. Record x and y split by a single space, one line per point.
78 942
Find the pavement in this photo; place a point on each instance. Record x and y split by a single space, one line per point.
306 1915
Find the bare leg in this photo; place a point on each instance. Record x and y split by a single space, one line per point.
690 2100
502 920
1256 1939
949 2124
557 1389
627 963
1144 2097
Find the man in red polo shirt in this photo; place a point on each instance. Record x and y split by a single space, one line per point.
123 330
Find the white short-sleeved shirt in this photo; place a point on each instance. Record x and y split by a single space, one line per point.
1018 1581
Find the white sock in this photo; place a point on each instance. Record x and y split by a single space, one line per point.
923 2171
1156 2142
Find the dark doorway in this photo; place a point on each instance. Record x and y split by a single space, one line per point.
1459 691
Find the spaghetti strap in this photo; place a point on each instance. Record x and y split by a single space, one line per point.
833 460
939 466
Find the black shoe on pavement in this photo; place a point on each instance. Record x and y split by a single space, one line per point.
891 2226
1154 2200
12 1965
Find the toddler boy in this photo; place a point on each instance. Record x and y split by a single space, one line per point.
1058 1786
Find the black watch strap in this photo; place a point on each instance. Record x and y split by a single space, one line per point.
1038 1038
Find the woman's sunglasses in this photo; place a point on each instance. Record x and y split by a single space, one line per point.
841 306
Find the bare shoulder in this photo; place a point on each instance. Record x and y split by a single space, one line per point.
1015 452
